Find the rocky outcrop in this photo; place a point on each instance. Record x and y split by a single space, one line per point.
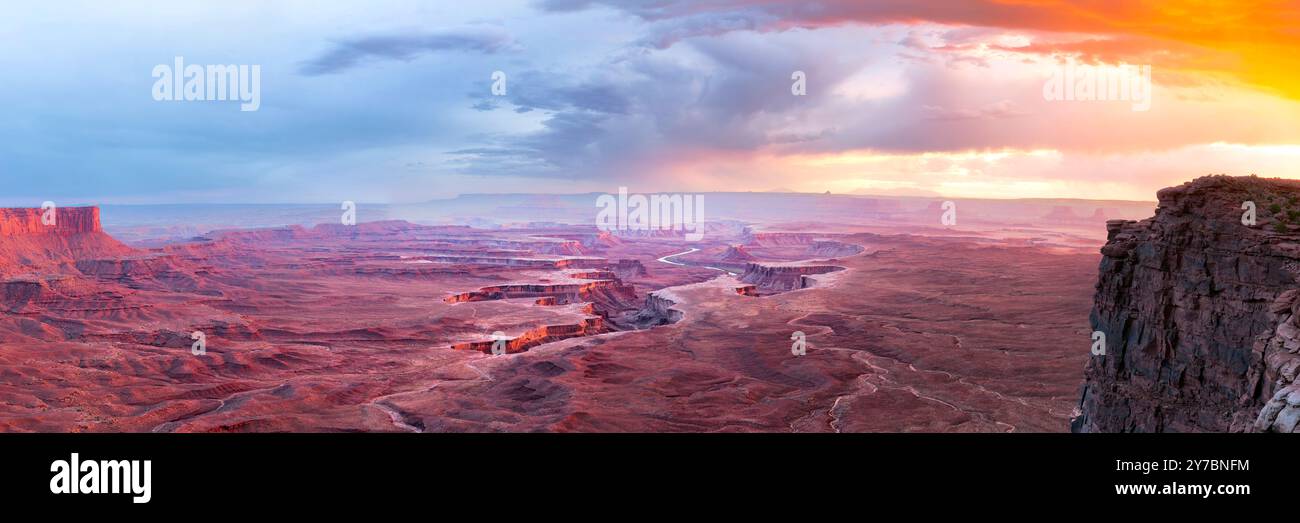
783 277
736 253
569 291
833 249
66 220
158 271
593 275
777 239
1281 413
538 336
658 310
1199 313
629 269
28 244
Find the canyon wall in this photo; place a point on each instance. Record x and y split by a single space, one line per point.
782 277
537 336
1200 313
27 244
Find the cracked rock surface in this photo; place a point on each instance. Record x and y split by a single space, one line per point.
1199 307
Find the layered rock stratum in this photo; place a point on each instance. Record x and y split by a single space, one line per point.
1200 309
28 243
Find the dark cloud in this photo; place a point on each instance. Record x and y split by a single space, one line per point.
647 107
563 6
346 54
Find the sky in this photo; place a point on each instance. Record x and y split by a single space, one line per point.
393 101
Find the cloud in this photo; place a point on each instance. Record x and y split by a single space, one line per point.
673 94
652 109
1258 36
703 105
996 110
346 54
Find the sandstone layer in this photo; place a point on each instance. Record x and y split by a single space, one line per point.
1198 306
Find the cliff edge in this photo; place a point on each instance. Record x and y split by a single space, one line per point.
1200 308
27 244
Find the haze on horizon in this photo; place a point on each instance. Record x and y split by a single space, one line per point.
393 102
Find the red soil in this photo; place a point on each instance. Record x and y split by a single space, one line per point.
356 328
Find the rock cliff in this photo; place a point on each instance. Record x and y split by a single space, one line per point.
66 220
28 244
775 277
1201 314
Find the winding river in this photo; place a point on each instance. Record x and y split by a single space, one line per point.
666 259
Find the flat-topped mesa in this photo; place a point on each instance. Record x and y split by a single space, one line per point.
1200 313
27 245
66 220
777 238
833 249
571 291
593 275
783 277
537 336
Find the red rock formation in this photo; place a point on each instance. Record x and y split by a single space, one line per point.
1199 314
538 336
779 238
582 291
626 269
737 253
26 244
657 310
68 220
594 275
783 277
832 249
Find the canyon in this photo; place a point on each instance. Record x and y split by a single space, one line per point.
389 325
